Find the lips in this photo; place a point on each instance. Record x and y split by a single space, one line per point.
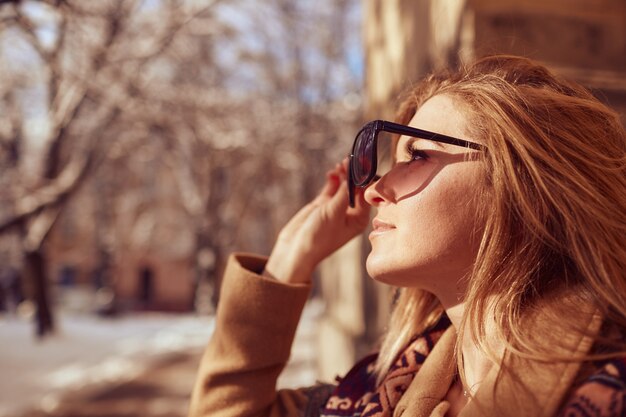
381 226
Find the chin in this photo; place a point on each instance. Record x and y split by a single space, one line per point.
423 275
379 270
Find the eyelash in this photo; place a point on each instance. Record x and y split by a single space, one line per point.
415 154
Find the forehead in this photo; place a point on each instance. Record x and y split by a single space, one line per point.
442 114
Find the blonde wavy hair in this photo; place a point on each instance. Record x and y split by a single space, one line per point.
553 206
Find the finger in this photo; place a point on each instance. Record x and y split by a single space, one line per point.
333 178
356 218
339 201
344 164
330 187
340 167
336 167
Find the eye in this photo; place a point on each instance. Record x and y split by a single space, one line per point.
414 153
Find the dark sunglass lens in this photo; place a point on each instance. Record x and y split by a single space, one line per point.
362 161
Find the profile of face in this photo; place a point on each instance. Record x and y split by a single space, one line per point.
426 232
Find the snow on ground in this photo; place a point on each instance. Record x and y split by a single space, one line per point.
87 351
302 369
94 352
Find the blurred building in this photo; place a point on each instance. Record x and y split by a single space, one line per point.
131 250
404 40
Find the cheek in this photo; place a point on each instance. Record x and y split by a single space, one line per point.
434 241
449 225
439 216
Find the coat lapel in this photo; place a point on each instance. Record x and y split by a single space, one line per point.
520 387
528 387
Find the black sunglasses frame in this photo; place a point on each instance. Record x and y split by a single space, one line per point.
378 126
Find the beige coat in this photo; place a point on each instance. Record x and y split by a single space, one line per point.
256 323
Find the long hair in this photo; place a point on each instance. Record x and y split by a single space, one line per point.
553 206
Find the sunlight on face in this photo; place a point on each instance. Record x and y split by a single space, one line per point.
423 234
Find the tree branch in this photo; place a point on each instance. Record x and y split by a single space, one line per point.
62 186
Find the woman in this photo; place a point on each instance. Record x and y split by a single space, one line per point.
504 231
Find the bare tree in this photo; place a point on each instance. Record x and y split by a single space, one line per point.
88 61
292 96
239 104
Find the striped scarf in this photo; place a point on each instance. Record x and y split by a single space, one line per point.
357 395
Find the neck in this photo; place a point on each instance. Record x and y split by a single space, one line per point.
476 363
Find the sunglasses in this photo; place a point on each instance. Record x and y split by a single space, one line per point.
363 163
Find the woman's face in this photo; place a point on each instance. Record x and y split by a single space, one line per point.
424 230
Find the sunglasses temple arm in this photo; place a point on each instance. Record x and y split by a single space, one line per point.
424 134
351 195
350 184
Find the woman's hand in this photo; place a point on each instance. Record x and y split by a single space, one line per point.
318 229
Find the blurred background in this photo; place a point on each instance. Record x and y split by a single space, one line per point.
142 141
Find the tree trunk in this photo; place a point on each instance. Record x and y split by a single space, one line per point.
35 271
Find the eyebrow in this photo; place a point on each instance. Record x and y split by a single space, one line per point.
413 139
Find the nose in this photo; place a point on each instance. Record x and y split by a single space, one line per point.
373 195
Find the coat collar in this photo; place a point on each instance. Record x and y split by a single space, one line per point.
517 387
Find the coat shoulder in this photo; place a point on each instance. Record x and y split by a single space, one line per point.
603 394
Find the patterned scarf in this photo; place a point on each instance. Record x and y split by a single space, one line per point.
357 394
